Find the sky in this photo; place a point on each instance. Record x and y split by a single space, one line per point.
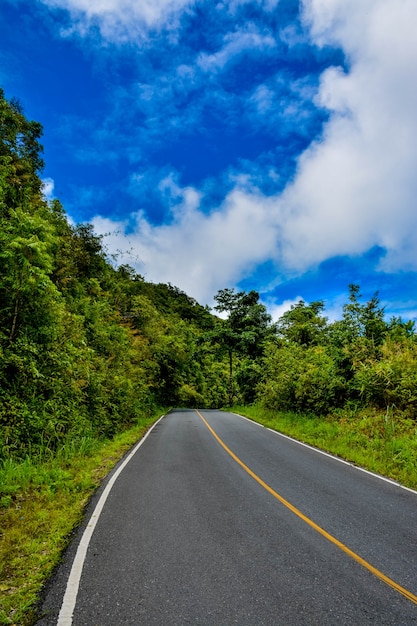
248 144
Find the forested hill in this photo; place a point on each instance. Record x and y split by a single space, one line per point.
86 347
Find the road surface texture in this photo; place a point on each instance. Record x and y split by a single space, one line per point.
197 530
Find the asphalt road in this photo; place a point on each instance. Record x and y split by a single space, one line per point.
188 536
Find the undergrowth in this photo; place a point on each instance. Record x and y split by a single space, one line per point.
42 499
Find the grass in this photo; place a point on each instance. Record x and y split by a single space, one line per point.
42 499
382 442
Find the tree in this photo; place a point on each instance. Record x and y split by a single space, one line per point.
246 328
399 328
20 155
303 324
26 263
363 320
359 334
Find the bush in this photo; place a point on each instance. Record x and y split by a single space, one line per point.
300 379
391 379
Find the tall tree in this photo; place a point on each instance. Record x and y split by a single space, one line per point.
245 329
20 155
303 323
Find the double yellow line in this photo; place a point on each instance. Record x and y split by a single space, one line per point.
391 583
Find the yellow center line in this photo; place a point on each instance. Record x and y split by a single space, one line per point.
307 520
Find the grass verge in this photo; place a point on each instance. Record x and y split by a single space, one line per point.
42 500
384 443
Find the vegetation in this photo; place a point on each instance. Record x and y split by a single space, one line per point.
43 499
360 361
89 352
84 347
244 333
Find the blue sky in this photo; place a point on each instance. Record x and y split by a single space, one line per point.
256 144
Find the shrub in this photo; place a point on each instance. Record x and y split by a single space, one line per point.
392 379
301 379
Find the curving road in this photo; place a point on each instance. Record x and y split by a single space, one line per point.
217 521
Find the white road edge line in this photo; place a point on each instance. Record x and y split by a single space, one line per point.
70 597
331 456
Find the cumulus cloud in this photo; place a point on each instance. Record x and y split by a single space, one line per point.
200 253
356 187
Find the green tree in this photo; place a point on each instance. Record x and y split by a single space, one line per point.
398 329
362 320
303 323
20 156
26 261
358 335
245 329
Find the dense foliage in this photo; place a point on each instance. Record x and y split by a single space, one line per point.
87 347
361 360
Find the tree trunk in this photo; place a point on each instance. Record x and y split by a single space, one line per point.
230 378
14 322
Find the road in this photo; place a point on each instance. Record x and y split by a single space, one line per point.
217 521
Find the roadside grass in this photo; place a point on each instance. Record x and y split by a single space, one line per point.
381 442
42 499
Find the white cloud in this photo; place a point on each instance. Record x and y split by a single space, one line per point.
292 35
283 106
235 44
184 201
121 20
48 186
277 310
263 99
232 6
354 188
197 252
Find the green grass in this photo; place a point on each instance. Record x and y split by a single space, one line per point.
382 442
42 499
